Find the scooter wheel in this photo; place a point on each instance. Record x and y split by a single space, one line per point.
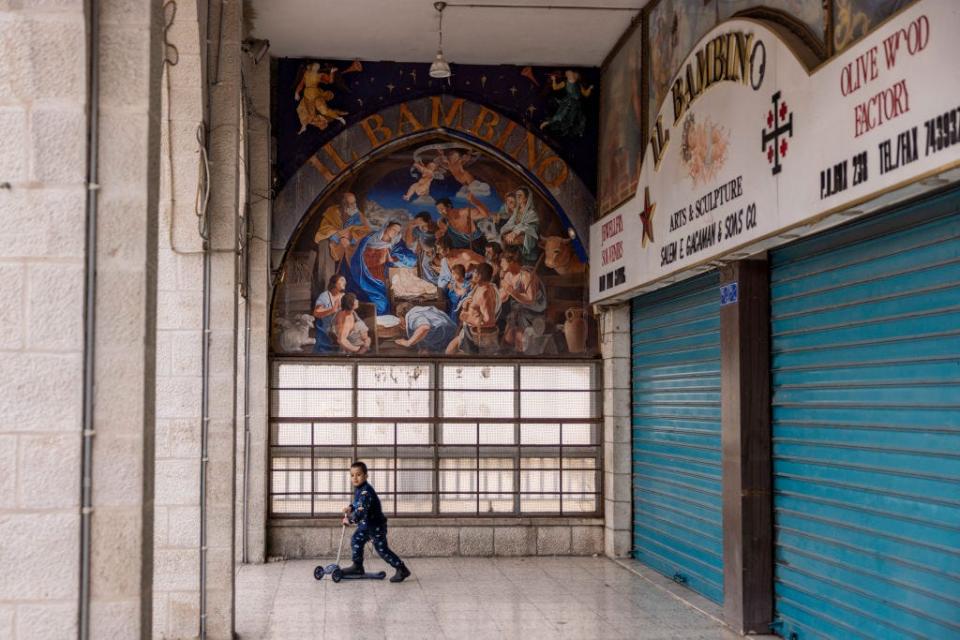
318 573
337 575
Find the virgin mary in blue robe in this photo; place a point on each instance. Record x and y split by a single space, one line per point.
370 263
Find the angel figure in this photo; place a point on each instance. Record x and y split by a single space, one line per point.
569 118
428 173
457 162
313 108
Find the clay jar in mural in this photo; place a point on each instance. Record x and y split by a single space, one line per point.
575 330
440 248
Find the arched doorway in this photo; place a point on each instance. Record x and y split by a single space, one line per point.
472 388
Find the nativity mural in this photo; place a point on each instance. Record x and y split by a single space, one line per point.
438 248
853 19
621 124
674 26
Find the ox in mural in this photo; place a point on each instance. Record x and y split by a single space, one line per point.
438 248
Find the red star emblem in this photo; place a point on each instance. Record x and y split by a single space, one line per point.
646 217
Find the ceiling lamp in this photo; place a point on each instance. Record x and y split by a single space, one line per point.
440 67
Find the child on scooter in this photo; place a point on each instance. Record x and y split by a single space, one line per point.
366 513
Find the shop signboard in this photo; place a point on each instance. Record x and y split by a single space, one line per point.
750 143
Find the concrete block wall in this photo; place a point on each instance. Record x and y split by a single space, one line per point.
42 248
41 318
445 537
617 482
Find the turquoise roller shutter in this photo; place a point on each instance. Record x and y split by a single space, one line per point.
866 427
677 524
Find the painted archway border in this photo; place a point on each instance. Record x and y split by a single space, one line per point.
456 117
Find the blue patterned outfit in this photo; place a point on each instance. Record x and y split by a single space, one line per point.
367 514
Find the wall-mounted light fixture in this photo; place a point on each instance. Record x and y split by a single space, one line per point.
440 67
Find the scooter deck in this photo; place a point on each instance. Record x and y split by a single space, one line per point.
376 575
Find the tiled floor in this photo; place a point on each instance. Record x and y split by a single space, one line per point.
468 598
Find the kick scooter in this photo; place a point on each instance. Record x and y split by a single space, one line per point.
336 573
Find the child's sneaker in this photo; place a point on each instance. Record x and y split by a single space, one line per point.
402 574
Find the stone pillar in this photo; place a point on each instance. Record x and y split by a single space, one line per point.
258 297
618 508
746 441
42 264
126 300
179 334
224 126
42 196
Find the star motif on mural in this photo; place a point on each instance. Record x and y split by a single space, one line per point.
646 217
413 74
391 87
513 91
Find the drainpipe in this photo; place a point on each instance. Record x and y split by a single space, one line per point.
245 292
92 15
204 425
205 350
246 395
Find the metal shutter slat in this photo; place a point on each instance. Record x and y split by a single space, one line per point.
678 527
866 427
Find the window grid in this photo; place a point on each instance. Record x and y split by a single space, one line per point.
474 468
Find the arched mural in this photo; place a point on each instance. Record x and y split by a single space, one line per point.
434 245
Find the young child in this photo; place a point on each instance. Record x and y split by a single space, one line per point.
422 186
366 513
348 330
458 289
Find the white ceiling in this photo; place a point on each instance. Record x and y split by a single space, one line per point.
406 30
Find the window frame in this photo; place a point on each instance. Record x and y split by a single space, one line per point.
436 450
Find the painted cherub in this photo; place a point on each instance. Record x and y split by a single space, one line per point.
428 173
312 108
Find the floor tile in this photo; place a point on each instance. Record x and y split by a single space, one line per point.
475 598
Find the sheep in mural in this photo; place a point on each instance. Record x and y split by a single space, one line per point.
295 333
489 229
558 254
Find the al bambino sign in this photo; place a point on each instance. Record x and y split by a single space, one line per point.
748 143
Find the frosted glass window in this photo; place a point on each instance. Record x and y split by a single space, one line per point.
485 439
559 377
478 377
296 403
314 376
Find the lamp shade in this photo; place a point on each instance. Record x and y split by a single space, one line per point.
440 68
